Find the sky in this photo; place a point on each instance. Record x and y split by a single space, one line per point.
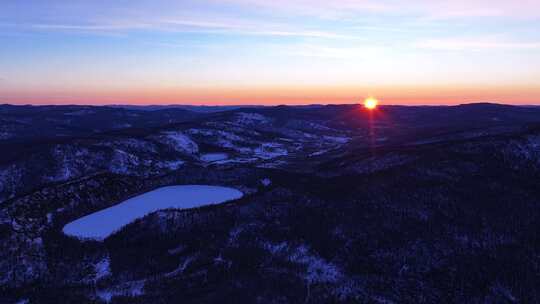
269 51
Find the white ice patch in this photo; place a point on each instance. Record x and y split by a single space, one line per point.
101 224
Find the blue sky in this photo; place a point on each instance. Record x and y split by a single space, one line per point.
234 51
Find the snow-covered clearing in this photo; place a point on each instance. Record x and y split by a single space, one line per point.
251 118
129 289
179 142
101 224
266 182
102 268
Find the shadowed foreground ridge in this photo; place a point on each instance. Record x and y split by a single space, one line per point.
403 205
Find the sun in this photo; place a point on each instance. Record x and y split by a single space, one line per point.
371 103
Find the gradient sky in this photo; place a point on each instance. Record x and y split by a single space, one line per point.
269 51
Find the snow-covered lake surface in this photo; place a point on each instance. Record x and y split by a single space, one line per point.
101 224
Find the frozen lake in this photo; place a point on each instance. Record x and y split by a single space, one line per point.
101 224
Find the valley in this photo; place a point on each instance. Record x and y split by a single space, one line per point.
419 204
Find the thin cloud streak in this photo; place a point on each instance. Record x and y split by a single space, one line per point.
340 53
192 27
420 8
476 45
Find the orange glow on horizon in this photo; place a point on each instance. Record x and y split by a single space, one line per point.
275 95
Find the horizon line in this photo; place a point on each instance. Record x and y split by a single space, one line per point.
267 105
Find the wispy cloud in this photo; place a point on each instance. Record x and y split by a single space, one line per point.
478 9
318 8
89 27
194 26
458 44
420 8
340 53
249 28
291 18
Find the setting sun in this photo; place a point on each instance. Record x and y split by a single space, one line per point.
371 103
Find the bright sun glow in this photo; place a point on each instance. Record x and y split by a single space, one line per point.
371 103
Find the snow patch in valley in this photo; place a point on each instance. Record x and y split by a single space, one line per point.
171 165
70 162
237 161
220 138
5 135
266 182
270 150
101 224
321 152
130 289
131 144
337 139
317 269
123 161
122 126
102 268
212 157
10 178
181 268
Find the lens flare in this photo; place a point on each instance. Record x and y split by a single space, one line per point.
371 103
